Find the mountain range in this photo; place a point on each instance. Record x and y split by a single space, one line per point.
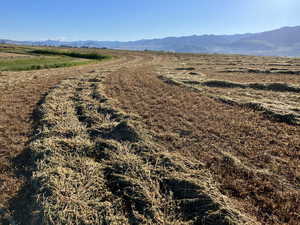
280 42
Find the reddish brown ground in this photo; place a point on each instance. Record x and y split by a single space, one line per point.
20 94
266 175
255 161
17 102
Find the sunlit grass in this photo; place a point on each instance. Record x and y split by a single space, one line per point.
36 63
37 58
74 54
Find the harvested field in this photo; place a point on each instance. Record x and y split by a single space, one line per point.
274 91
20 93
149 138
100 165
237 145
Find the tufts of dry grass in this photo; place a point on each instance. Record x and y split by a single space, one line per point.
21 92
123 147
253 161
98 165
70 186
277 100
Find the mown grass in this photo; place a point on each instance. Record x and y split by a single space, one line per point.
38 63
252 160
95 164
268 85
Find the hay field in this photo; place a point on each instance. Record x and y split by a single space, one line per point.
269 84
152 138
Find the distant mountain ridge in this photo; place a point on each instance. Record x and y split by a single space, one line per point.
280 42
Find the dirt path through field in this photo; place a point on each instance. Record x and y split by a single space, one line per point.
20 93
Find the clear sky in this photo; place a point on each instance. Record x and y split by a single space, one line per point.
139 19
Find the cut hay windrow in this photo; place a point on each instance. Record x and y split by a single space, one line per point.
95 164
246 95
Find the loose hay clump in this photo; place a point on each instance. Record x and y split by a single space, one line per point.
96 165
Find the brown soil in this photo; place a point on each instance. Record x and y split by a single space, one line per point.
20 93
236 68
254 160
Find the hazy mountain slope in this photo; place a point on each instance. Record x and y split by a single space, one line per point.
282 42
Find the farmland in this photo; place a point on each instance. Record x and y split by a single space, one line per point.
21 59
148 138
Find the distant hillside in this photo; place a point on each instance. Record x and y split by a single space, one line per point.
281 42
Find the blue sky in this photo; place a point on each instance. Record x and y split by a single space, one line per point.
139 19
